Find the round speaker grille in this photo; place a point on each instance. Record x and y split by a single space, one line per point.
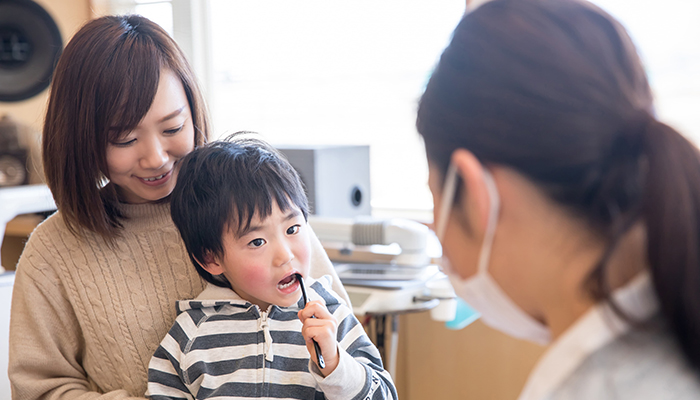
12 171
30 44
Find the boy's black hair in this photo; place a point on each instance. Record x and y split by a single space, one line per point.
222 185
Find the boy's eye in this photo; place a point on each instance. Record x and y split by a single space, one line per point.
293 229
256 242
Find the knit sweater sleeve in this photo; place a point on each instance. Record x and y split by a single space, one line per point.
47 344
360 373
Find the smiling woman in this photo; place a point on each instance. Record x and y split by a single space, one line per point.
123 79
141 162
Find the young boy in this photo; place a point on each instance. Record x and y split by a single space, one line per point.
241 210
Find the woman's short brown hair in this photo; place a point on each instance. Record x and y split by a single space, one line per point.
104 84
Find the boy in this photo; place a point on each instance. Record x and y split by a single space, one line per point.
241 211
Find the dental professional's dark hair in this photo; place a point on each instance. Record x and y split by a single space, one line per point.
555 90
222 186
104 84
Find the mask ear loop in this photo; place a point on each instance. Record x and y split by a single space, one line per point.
495 205
446 200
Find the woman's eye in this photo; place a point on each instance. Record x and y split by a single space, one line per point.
293 229
174 130
124 143
256 242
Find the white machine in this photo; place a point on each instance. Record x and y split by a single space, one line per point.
386 265
411 238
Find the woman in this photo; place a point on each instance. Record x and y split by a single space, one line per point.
96 286
567 213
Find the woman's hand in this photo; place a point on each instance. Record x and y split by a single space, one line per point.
320 325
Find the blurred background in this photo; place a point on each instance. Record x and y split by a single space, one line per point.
304 72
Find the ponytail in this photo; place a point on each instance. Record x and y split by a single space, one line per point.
667 181
671 209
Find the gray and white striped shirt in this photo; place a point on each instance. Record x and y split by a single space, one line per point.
224 347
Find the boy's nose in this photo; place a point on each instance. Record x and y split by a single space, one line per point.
283 256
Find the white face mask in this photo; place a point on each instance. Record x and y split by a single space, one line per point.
480 290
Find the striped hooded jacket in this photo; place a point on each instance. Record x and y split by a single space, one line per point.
224 347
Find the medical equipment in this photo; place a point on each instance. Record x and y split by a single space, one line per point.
386 265
381 241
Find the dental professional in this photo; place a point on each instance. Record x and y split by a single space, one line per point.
568 214
96 285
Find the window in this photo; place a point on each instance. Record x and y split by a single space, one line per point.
333 72
667 36
158 11
351 72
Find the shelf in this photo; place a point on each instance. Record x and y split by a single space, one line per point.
22 225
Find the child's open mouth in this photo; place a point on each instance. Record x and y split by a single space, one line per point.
287 282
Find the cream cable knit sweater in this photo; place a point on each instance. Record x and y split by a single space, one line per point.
87 318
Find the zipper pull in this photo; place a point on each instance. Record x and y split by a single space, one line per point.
265 325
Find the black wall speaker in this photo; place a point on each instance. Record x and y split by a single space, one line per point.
30 44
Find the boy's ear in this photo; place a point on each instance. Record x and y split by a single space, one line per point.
211 264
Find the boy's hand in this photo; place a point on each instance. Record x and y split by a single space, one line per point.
324 330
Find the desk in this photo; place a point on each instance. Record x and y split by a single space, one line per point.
379 303
26 199
379 332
